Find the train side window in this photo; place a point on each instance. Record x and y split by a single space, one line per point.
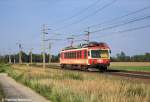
77 54
85 54
64 55
80 54
69 54
73 54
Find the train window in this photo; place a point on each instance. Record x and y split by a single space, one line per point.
72 55
69 54
80 54
85 54
64 55
88 53
75 54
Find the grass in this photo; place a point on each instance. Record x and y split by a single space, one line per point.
132 68
3 69
71 86
1 93
130 63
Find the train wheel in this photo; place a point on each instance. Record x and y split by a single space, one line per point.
62 66
83 68
103 69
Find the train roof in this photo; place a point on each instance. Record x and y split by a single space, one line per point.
88 45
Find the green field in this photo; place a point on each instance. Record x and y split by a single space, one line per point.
72 86
131 68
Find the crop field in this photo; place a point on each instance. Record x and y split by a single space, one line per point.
72 86
131 66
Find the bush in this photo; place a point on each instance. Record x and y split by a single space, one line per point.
4 68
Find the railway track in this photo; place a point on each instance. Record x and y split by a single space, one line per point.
131 74
122 73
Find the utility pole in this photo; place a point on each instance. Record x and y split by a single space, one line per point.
14 59
49 52
20 54
50 46
44 32
88 35
9 58
71 40
31 55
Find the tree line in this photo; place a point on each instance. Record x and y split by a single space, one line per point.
37 58
122 57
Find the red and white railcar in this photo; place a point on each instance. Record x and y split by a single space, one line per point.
92 55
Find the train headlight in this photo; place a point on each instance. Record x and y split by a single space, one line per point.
100 61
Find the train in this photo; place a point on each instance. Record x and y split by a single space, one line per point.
85 56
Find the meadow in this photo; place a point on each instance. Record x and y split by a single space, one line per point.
73 86
131 66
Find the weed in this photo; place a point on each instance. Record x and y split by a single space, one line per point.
135 91
67 86
75 76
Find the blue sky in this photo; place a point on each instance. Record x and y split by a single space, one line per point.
21 20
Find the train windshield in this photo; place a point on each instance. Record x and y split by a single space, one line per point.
99 53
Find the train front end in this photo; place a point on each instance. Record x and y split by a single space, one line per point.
99 56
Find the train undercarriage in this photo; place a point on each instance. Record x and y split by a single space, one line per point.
100 67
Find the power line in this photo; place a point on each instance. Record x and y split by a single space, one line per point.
127 30
118 25
93 13
80 12
117 18
133 29
123 16
122 24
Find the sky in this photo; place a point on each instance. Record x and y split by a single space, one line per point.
21 22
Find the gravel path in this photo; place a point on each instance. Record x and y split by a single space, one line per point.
16 92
